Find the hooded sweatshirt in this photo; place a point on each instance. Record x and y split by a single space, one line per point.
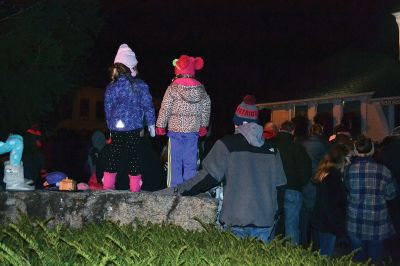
252 170
98 143
296 162
184 108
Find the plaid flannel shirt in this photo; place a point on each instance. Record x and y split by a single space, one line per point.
369 186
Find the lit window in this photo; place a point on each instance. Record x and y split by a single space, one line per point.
100 109
84 108
352 117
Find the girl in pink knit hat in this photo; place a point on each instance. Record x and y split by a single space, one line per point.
127 105
185 109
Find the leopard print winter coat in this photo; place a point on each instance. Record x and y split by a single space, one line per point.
184 108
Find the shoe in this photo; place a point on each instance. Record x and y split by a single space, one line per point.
109 181
135 183
26 180
14 178
93 184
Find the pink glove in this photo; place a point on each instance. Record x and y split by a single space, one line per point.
202 131
160 131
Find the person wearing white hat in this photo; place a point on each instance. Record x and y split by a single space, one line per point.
127 57
127 105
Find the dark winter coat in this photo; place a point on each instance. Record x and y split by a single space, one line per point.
33 159
390 158
94 162
391 154
296 162
316 150
330 207
252 171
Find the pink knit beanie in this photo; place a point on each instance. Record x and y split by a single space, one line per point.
126 56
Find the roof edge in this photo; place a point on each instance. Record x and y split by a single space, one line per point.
316 99
386 100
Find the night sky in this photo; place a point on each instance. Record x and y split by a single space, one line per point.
252 47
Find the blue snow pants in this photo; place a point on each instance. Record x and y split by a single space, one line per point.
183 160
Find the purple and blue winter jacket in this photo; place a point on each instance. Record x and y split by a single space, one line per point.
127 103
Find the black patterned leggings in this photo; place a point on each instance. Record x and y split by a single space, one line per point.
123 151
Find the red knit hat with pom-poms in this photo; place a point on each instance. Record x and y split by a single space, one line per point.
246 111
187 64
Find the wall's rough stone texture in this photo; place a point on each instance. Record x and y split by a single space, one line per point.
74 209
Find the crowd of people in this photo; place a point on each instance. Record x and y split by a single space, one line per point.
269 181
322 191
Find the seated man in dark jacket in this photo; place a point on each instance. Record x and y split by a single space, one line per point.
252 171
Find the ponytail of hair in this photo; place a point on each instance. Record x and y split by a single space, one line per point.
118 69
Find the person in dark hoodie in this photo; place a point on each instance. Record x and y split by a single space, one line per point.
316 149
297 165
33 157
252 173
152 168
95 160
330 206
390 158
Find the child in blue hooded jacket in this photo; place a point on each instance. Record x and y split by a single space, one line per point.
127 105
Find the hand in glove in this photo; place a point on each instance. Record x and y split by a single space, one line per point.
202 131
152 131
160 131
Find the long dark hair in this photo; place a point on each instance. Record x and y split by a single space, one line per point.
118 69
334 159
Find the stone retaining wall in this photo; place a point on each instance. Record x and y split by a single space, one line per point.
74 209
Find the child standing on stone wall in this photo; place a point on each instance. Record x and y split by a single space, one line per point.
185 110
127 104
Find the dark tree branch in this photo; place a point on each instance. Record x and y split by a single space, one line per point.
19 12
38 54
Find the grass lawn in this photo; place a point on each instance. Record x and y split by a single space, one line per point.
27 243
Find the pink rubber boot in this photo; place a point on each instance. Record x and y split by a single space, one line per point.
109 180
135 183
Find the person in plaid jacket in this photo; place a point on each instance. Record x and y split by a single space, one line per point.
369 186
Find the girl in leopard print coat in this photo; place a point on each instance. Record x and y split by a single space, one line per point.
185 109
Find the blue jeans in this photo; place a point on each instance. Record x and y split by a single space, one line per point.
326 243
307 232
183 157
265 234
369 249
292 207
15 145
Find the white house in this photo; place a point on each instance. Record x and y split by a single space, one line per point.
365 84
